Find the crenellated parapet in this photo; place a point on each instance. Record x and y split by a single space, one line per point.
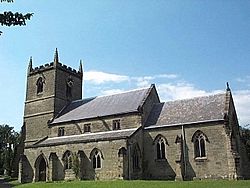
54 65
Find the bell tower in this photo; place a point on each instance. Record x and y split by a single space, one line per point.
49 88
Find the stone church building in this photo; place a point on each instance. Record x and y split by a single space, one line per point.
130 135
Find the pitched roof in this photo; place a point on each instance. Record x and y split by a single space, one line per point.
198 109
103 106
87 137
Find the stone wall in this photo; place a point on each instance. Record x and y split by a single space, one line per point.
151 99
213 166
112 163
127 121
42 107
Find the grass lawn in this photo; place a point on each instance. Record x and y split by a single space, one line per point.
139 184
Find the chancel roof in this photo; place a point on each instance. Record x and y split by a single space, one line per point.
198 109
103 106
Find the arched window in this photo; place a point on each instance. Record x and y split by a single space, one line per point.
69 86
199 139
161 149
39 85
122 152
135 158
67 158
96 157
160 144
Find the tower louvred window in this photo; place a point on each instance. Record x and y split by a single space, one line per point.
39 85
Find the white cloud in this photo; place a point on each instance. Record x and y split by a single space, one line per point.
98 77
244 80
181 90
169 76
242 105
145 81
169 88
111 91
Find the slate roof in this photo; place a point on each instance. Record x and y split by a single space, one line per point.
87 137
198 109
103 106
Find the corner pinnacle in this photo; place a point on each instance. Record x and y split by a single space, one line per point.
56 58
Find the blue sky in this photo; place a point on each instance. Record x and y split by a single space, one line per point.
187 48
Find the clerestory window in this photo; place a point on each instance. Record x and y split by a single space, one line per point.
116 124
61 131
87 128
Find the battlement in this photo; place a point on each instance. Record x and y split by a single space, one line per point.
49 66
54 65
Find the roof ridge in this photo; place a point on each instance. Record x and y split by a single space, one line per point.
122 92
196 97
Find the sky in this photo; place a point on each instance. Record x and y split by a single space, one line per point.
186 48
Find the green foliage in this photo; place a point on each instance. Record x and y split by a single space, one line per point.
144 184
8 1
9 139
9 18
75 164
245 135
13 19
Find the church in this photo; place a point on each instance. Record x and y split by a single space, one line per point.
130 135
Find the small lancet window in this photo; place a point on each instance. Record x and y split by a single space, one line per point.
39 85
199 140
122 152
68 160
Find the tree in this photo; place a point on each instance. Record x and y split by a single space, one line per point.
245 135
76 165
9 18
9 140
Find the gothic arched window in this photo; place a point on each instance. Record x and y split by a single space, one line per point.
136 157
161 149
39 84
160 144
67 158
135 160
96 157
199 139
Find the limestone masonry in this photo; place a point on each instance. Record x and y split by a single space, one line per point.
130 135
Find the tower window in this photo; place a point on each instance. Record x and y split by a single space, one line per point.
87 128
61 131
116 124
69 86
39 85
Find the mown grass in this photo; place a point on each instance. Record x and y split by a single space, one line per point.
139 184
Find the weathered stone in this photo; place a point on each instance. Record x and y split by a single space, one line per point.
133 151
